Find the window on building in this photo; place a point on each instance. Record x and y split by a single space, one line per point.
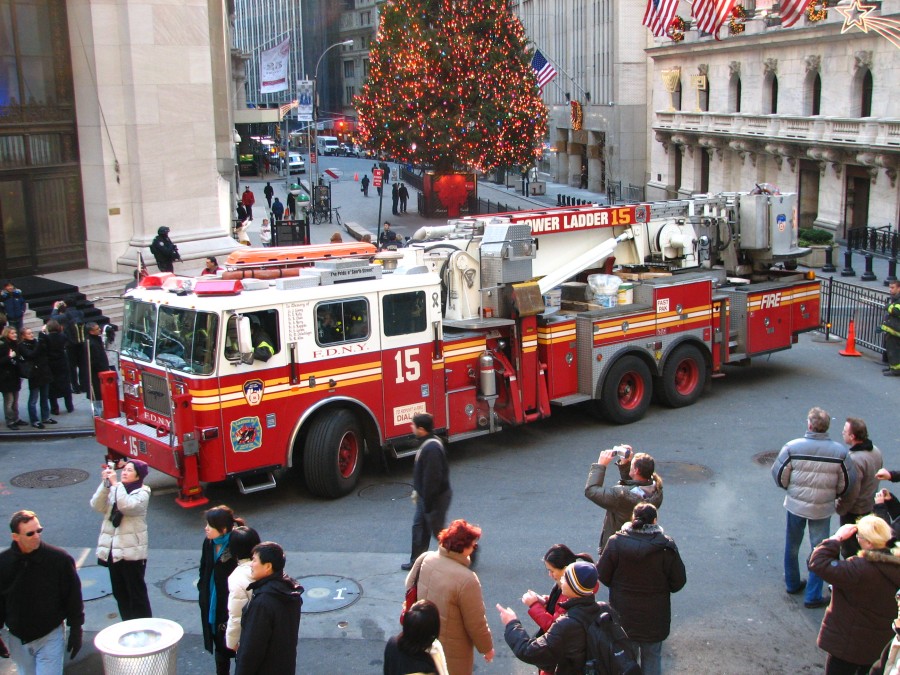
676 96
703 96
770 94
348 69
865 107
365 18
349 4
404 313
734 93
366 66
350 93
342 321
815 95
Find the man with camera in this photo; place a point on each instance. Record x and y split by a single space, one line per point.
638 482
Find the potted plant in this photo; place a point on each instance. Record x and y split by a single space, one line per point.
819 241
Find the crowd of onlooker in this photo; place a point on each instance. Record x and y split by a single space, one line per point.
54 363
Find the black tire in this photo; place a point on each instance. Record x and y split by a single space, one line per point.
627 390
684 377
333 453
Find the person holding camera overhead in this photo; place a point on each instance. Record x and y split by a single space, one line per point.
638 483
123 542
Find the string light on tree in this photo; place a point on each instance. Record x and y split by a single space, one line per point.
451 87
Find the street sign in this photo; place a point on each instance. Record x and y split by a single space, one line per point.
312 156
377 177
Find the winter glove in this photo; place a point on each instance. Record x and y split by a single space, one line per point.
4 652
74 644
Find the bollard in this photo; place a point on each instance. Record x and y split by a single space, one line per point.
559 200
848 264
869 274
892 271
829 261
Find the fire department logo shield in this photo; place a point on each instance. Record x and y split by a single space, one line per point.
246 434
253 391
640 214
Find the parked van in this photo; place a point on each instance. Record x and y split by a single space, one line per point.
327 145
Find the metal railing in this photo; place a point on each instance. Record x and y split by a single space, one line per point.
842 301
880 241
487 206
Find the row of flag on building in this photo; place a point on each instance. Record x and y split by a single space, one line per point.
710 14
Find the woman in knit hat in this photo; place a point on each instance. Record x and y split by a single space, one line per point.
545 609
562 649
857 623
123 542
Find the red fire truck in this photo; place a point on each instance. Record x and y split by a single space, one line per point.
314 358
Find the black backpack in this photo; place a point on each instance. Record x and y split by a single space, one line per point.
609 651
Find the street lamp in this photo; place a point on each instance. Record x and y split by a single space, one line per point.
315 115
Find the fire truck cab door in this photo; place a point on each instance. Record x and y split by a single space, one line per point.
407 354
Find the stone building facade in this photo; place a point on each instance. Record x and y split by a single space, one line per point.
809 109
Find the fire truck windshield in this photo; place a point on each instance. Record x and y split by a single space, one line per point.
176 338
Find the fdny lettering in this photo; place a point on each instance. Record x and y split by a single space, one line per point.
770 300
331 352
156 419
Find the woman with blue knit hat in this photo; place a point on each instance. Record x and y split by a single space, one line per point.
563 648
123 542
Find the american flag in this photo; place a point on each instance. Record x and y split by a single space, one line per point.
543 69
659 15
711 14
791 11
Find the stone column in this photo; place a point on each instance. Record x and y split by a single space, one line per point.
152 83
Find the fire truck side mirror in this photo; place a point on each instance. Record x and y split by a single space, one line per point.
245 342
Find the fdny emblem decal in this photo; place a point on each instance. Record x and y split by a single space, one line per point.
246 434
253 391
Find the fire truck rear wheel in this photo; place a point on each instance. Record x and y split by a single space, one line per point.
332 457
683 377
627 391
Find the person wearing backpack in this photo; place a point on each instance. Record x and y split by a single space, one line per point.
565 648
642 568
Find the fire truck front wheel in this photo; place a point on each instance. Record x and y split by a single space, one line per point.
683 378
332 456
627 390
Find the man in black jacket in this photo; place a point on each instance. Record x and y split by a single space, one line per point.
270 623
99 362
39 590
563 648
431 487
165 251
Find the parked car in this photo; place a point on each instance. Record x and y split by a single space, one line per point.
296 163
348 150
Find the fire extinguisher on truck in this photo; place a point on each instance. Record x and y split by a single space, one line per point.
314 357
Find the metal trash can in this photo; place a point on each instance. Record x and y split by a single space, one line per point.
140 647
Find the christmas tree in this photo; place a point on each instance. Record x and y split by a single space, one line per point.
451 87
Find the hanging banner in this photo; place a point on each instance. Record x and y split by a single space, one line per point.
273 68
304 100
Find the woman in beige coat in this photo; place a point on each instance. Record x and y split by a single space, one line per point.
123 542
444 578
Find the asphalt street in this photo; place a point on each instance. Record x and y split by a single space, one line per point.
525 488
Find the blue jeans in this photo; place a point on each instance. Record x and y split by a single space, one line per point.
818 530
41 391
651 657
44 656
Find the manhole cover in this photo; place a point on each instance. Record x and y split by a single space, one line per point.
326 593
183 586
765 458
386 492
95 582
50 478
683 472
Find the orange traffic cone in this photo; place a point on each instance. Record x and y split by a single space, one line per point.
850 350
356 176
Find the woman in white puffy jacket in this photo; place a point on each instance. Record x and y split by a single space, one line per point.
123 542
243 539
